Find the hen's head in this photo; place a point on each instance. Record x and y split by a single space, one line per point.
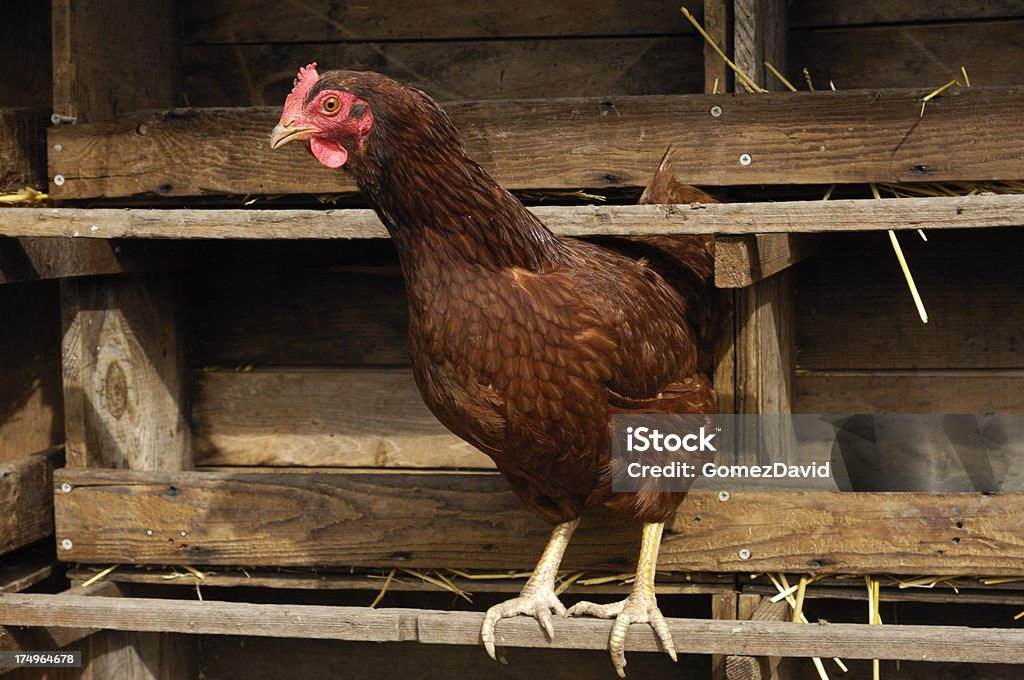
327 114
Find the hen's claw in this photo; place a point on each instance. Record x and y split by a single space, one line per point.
538 604
637 608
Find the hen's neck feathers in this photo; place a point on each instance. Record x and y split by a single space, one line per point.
438 203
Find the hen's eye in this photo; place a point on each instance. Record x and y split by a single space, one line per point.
331 105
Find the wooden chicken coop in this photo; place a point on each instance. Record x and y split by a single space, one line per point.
203 373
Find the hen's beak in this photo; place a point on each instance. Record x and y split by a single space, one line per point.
288 132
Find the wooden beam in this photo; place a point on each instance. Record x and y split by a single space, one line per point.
763 638
963 212
125 382
798 138
744 260
26 492
472 520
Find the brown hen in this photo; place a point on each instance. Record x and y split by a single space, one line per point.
523 343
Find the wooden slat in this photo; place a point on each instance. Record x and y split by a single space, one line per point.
26 488
454 70
31 412
955 391
720 218
301 315
341 417
809 13
857 641
124 373
255 21
22 148
53 638
111 62
471 520
811 138
908 56
855 312
743 260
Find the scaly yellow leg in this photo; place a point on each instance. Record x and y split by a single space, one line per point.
537 599
640 607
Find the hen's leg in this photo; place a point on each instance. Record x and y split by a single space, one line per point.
537 598
640 607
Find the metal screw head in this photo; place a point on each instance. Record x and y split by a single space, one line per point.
65 487
716 111
58 147
744 554
66 544
149 532
723 496
184 533
58 180
745 159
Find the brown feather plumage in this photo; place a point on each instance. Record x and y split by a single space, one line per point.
524 344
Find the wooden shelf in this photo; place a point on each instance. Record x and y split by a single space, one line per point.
695 636
723 218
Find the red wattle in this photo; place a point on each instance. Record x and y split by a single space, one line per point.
328 152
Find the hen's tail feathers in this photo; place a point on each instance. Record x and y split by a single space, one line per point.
686 262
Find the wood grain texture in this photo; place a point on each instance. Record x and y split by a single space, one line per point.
931 643
909 55
266 21
812 13
124 373
13 639
31 409
35 258
344 417
471 520
298 315
111 57
720 218
26 492
808 137
855 313
743 260
25 53
521 68
22 148
953 391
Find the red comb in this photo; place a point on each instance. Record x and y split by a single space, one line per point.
307 76
304 82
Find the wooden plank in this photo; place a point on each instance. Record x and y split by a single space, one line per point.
302 315
26 495
111 62
266 21
908 55
13 639
807 137
124 376
812 13
344 417
743 260
519 68
953 391
717 23
25 568
31 412
22 148
720 218
855 641
855 313
471 520
33 259
247 658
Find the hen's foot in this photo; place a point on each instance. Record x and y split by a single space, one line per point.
539 604
637 608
